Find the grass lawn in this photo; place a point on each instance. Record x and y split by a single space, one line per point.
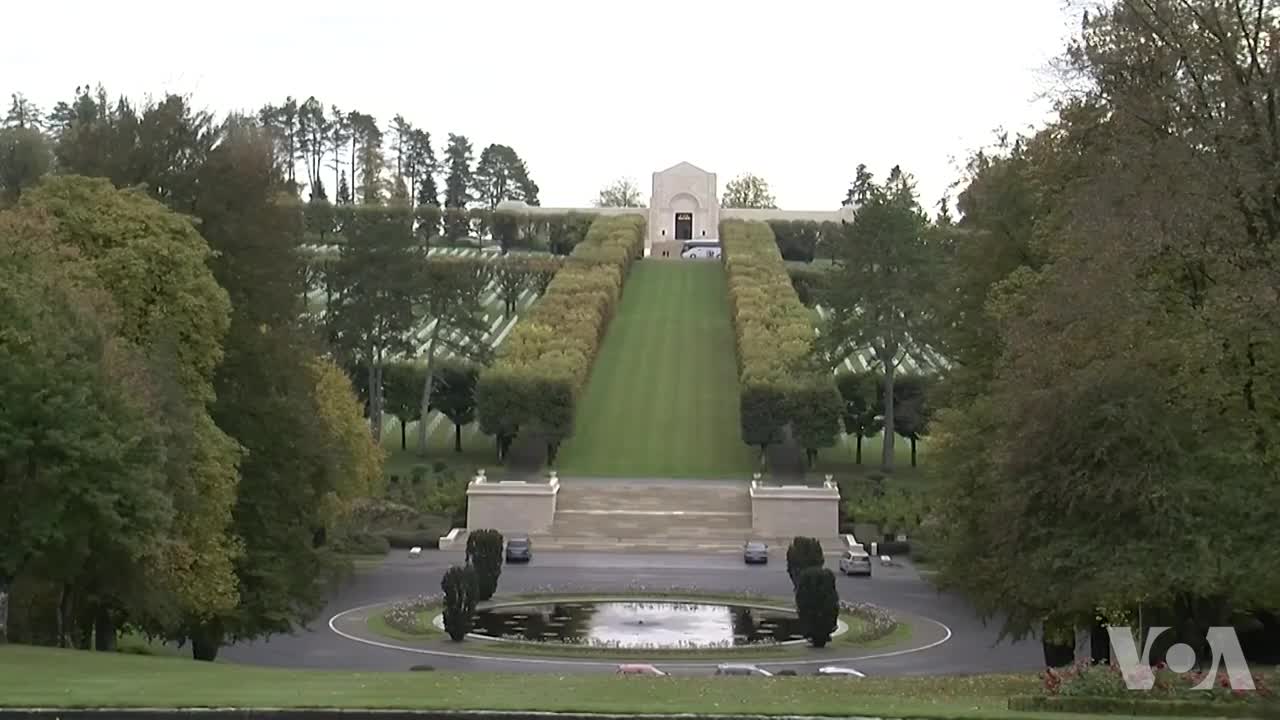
69 678
662 400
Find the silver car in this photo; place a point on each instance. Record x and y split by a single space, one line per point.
855 562
737 669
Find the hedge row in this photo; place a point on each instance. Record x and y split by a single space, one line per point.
780 384
534 382
326 224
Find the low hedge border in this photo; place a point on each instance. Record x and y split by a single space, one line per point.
1139 706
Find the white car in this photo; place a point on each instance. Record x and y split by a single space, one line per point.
855 562
701 253
833 670
637 669
415 551
735 669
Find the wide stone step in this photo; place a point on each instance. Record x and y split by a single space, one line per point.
639 523
711 545
653 495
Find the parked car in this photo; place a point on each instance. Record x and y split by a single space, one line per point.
755 552
634 669
835 671
738 669
415 551
855 562
519 549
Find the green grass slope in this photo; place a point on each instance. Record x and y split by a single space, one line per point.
663 396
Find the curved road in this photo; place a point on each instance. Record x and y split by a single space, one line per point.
970 647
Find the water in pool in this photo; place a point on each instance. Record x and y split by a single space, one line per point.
640 624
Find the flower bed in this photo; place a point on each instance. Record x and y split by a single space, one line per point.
1086 680
407 616
877 621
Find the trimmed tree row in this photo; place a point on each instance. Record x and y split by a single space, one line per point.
780 382
534 383
560 233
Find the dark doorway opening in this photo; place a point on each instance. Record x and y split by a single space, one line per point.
684 226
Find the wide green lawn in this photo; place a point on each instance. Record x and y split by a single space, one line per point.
663 396
68 678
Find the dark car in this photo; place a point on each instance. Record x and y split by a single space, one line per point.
755 552
519 549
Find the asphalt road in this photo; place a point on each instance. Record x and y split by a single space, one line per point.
970 646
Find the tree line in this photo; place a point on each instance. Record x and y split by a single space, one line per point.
156 348
163 142
1105 436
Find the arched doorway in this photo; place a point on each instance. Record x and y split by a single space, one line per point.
684 226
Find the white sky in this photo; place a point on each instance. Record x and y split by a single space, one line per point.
586 91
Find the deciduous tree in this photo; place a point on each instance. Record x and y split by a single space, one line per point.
747 191
622 192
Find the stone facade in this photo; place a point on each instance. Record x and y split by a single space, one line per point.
785 511
684 204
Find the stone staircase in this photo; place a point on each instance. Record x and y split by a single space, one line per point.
699 516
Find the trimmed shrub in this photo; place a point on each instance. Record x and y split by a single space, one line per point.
534 383
484 553
780 379
364 543
459 585
817 605
803 553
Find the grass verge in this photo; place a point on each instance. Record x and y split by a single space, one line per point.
45 677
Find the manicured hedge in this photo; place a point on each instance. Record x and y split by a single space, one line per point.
534 383
780 385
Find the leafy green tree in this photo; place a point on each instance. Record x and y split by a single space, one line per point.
455 396
912 409
817 605
622 192
484 553
263 384
367 160
862 403
815 415
501 175
461 593
876 295
421 168
281 123
314 133
402 388
747 191
1130 346
88 507
513 278
449 301
128 241
23 114
24 159
377 274
803 553
159 146
336 142
458 183
506 229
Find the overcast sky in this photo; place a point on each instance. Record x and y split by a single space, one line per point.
799 91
